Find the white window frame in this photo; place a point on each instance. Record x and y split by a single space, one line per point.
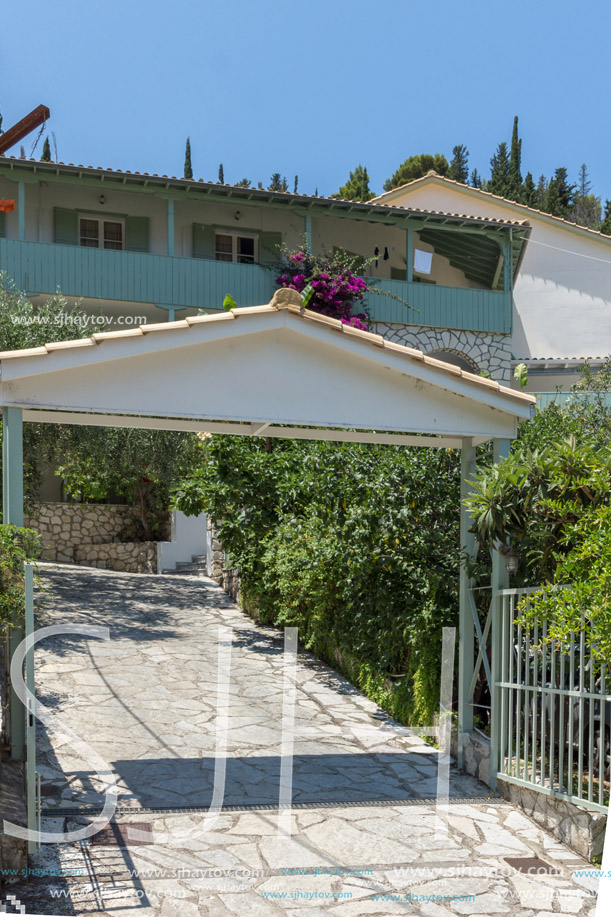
235 235
100 220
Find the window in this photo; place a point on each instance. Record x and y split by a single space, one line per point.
96 232
230 246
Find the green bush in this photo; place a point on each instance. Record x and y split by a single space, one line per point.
356 545
17 545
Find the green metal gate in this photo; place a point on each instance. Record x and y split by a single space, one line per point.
553 709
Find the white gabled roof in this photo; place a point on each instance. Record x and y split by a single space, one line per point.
270 364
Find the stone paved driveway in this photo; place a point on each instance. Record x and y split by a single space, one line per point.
365 838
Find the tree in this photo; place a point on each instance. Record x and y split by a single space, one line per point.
476 181
605 226
357 187
415 167
277 183
188 170
559 197
499 172
541 194
459 166
296 184
529 191
514 192
244 183
587 207
221 174
46 151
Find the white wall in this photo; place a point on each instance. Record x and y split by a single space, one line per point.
563 291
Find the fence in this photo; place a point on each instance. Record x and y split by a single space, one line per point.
554 734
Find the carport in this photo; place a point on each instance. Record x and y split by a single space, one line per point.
274 370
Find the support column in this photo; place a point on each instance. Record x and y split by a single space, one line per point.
466 644
409 255
308 232
170 227
12 512
508 264
21 210
499 580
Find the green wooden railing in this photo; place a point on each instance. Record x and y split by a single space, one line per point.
546 398
193 283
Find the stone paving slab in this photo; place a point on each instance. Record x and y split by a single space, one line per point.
364 836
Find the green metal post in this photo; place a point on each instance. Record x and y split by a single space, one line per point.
308 232
21 209
31 721
466 644
409 255
499 580
508 265
12 512
170 227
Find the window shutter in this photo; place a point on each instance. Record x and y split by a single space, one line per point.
137 234
268 242
203 241
65 226
2 225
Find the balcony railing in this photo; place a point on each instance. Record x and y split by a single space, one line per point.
193 283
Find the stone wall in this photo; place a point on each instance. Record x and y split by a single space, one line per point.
488 352
128 557
219 569
66 526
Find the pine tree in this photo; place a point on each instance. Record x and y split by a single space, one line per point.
46 151
605 226
244 183
357 187
277 183
221 174
296 184
416 167
188 170
499 172
476 181
459 166
529 191
514 192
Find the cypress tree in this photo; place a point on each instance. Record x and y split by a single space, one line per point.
188 170
46 151
277 183
476 180
499 172
514 191
296 184
459 166
221 174
586 208
605 226
529 191
559 197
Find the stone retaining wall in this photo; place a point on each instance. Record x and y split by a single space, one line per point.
127 557
66 526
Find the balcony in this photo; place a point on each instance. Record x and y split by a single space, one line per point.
194 283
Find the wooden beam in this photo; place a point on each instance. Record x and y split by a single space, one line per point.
24 127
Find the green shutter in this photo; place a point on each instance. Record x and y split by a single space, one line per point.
398 273
137 234
268 246
2 225
203 241
65 226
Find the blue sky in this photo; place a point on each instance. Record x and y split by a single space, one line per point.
312 89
